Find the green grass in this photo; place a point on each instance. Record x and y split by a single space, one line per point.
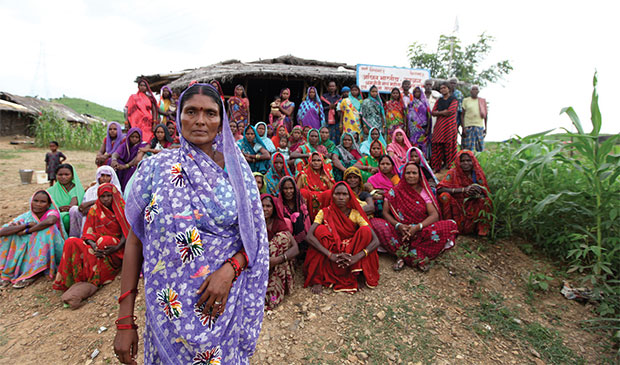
88 107
7 156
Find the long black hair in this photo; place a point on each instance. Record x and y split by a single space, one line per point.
201 89
65 166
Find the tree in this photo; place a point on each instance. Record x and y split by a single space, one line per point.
452 59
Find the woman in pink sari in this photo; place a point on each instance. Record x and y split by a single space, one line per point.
141 109
398 148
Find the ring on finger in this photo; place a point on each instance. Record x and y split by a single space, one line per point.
217 303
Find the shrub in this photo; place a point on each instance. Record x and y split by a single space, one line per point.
50 126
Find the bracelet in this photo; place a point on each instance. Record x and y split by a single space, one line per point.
235 264
421 226
247 261
365 252
27 230
285 258
125 326
396 226
126 294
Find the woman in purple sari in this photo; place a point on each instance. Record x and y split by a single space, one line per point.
113 138
418 120
311 110
128 155
199 237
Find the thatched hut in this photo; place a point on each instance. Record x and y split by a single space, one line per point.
262 79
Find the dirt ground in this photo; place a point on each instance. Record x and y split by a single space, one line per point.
472 307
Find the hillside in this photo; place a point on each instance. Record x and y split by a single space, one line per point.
88 107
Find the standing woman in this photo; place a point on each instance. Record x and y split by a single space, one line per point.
127 156
239 106
373 113
419 121
310 113
32 243
218 87
395 112
443 142
349 108
167 106
205 260
68 192
141 109
112 140
287 109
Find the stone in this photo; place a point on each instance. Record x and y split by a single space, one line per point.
517 320
363 355
352 358
380 315
460 357
535 353
311 316
340 320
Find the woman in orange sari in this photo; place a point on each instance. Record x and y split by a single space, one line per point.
314 179
342 245
141 109
464 195
97 257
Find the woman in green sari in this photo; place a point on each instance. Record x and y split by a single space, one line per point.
66 193
329 145
346 155
369 165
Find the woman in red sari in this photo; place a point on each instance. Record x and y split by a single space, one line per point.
411 228
464 195
141 109
97 257
313 180
282 251
342 245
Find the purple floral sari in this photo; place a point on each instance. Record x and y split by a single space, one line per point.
191 215
417 122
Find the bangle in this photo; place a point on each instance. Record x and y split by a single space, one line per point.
285 258
235 264
365 252
421 226
124 326
27 230
396 226
245 255
124 295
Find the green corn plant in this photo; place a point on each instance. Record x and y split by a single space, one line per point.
51 126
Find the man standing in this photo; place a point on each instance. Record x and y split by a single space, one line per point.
459 96
474 127
406 85
431 97
330 101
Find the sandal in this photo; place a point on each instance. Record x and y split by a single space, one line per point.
4 283
399 265
23 283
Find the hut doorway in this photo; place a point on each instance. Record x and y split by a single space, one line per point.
262 92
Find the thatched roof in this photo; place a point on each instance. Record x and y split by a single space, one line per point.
36 106
9 106
285 67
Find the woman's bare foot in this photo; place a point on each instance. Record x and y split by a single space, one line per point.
316 289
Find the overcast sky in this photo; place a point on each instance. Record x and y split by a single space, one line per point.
94 50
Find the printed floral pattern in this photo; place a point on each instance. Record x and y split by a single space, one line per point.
177 175
189 245
152 209
209 357
169 300
205 319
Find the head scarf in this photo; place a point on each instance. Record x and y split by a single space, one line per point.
219 90
273 177
314 104
112 145
328 143
295 144
125 151
51 211
382 181
248 147
365 146
105 214
404 197
167 137
283 90
354 171
377 100
356 101
456 178
400 151
314 179
60 194
423 163
348 156
276 136
264 188
279 224
337 221
91 193
236 87
266 141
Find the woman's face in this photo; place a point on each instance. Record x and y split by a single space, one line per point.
413 157
399 137
312 94
239 91
267 208
288 189
347 142
316 162
40 203
385 165
134 138
278 163
324 134
417 93
260 130
353 181
466 163
106 199
165 94
160 134
374 135
200 120
233 127
105 178
285 95
64 176
395 94
375 150
355 92
374 92
259 182
341 196
240 126
250 135
171 129
142 87
412 174
444 90
296 134
281 132
313 138
113 131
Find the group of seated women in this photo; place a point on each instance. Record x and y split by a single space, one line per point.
37 242
337 227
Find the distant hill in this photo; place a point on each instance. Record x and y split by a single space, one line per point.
88 107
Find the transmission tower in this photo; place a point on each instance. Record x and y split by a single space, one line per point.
40 85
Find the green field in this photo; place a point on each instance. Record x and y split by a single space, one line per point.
88 107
